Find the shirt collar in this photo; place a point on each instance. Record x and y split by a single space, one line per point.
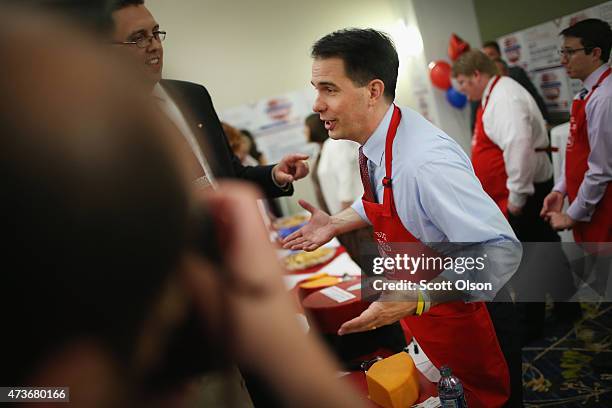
160 93
487 91
594 77
374 147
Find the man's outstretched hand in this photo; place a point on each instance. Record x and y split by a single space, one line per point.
317 232
378 314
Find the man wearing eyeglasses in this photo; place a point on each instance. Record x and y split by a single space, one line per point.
588 163
190 108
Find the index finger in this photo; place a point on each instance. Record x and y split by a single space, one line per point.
296 156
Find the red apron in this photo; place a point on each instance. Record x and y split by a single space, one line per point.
599 229
488 161
456 334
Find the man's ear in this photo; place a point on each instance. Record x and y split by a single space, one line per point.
376 90
596 52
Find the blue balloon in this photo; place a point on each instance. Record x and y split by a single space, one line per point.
456 98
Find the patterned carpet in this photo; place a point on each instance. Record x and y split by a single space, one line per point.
572 367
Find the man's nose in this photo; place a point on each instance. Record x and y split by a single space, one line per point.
564 59
319 105
154 45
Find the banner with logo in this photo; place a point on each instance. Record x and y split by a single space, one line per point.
535 50
277 123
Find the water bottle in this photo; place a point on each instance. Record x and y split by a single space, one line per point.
450 390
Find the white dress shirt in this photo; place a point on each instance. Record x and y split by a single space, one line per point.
338 172
513 121
599 127
175 115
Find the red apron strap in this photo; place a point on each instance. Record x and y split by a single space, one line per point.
387 180
490 90
599 81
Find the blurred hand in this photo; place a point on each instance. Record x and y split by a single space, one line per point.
291 168
378 314
560 221
247 253
246 293
317 232
514 210
552 203
255 314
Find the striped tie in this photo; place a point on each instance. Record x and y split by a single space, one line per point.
583 93
365 176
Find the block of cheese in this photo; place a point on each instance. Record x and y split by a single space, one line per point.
327 314
393 382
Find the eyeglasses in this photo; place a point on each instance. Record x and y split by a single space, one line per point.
568 52
145 40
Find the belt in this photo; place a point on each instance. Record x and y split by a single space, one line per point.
547 149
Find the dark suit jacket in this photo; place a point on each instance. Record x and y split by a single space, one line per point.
520 76
196 105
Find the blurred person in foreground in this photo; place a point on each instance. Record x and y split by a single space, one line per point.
419 188
189 106
110 245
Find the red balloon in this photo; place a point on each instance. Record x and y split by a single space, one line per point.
440 74
456 47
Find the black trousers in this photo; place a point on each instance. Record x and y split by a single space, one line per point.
545 269
508 317
505 318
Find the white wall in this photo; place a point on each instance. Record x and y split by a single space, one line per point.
437 20
245 50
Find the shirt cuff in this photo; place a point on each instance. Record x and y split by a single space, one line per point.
358 207
560 187
517 199
578 212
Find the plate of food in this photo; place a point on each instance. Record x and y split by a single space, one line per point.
304 260
291 221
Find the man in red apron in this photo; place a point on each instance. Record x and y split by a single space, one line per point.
418 187
588 161
509 158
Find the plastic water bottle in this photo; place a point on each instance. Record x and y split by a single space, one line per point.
450 390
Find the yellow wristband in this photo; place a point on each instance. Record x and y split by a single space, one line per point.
420 303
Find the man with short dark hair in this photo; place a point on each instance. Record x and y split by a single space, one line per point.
588 160
189 107
419 187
